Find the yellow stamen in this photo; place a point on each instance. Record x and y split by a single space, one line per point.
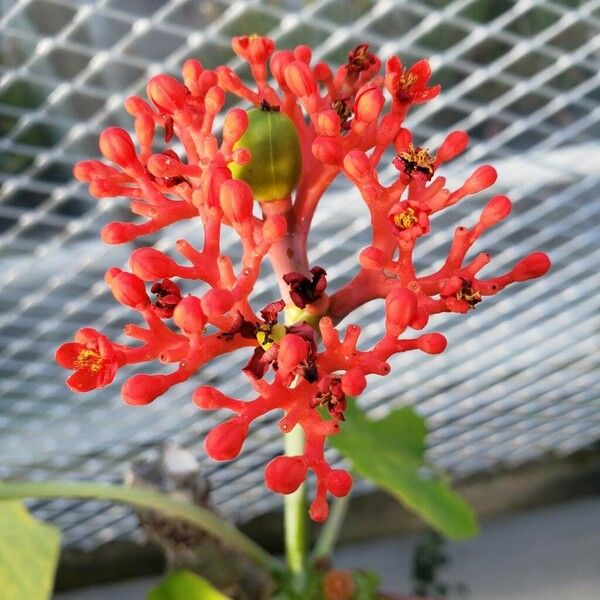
89 360
269 335
417 159
469 295
405 219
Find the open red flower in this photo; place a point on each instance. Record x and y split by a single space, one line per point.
93 358
409 86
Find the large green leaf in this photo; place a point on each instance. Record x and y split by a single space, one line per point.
29 552
390 453
185 585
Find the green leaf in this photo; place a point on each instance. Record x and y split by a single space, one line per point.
366 585
185 585
390 453
29 552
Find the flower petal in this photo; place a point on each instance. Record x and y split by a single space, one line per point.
68 353
84 380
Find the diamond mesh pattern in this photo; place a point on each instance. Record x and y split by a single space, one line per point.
520 376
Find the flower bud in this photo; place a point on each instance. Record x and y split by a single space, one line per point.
432 343
483 177
210 184
214 100
209 398
216 302
166 93
497 208
143 389
328 150
116 145
254 49
319 510
454 144
328 123
235 124
338 482
279 61
285 474
300 79
150 264
119 233
371 258
388 128
236 200
303 53
530 267
400 308
353 382
225 441
136 106
192 71
129 290
188 315
368 104
357 164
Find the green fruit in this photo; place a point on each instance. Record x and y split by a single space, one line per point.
276 162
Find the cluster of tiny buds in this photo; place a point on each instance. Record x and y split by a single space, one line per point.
263 176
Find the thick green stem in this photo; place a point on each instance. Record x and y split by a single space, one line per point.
150 499
331 530
295 510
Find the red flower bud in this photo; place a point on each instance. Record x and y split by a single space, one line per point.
388 128
371 258
128 289
188 315
319 510
530 267
400 309
116 145
143 389
357 164
483 177
303 53
166 93
192 71
235 124
209 398
118 233
216 302
432 343
454 144
225 441
254 48
338 482
285 474
368 104
328 150
328 123
300 79
236 200
497 208
214 100
150 264
353 382
279 61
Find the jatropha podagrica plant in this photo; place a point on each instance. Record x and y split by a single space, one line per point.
280 155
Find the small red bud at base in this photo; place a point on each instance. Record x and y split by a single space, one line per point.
285 474
225 441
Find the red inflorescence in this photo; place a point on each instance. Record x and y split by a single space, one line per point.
298 362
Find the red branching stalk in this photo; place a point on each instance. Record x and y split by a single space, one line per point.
342 127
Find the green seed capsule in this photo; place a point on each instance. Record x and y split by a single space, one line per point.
276 163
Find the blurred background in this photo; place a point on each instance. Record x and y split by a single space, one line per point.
512 405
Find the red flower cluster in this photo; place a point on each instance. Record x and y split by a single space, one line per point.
303 364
